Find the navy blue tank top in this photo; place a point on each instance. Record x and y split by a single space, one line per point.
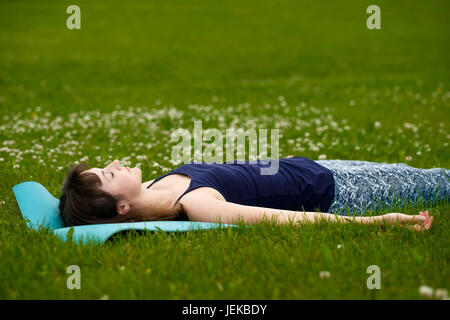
300 183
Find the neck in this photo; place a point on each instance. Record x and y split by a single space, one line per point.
153 204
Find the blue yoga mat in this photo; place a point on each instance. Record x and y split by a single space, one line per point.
40 208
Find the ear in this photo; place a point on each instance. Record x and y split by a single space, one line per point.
123 207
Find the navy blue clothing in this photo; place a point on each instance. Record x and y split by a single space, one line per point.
300 183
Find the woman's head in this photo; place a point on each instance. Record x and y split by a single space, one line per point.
99 195
121 182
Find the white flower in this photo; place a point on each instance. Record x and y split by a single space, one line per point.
377 124
426 291
408 158
104 297
324 274
322 157
339 246
441 293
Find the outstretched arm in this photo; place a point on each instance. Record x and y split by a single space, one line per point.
209 209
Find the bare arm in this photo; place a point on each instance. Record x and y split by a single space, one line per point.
209 209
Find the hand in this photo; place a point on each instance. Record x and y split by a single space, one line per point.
422 221
426 224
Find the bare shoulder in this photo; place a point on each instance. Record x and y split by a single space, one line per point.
199 204
205 207
201 193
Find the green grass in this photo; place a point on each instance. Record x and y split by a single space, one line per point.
148 68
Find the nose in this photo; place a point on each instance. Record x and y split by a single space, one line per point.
115 164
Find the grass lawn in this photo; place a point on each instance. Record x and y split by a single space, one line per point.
138 71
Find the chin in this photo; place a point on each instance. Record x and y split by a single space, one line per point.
139 172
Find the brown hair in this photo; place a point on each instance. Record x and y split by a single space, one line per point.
83 202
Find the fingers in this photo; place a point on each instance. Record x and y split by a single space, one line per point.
416 227
425 214
429 223
428 219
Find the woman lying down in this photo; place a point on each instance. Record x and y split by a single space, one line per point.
232 191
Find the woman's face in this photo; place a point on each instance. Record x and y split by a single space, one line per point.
121 182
